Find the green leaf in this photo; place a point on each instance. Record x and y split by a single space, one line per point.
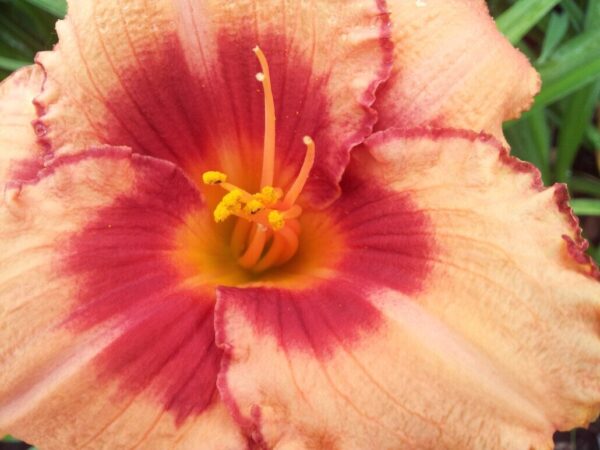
592 134
574 13
586 206
592 16
585 185
575 64
529 139
34 21
595 252
516 21
57 8
9 438
579 112
556 31
12 64
14 36
527 50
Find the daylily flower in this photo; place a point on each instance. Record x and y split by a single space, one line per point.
204 246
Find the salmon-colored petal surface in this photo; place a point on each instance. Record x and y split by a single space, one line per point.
461 314
19 149
453 68
176 79
103 344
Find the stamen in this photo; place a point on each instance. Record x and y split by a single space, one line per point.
233 199
268 166
276 220
214 177
221 213
269 195
254 206
254 250
272 256
293 213
267 228
232 187
230 204
239 237
291 245
298 184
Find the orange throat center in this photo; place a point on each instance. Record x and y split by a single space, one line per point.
267 229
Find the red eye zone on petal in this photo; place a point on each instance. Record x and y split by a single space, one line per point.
158 276
129 283
205 117
384 242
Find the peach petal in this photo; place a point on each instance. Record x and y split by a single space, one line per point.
175 79
453 68
19 150
102 343
496 349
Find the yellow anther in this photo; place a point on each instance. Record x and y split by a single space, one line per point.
214 177
269 195
230 204
266 233
254 206
221 213
276 220
233 199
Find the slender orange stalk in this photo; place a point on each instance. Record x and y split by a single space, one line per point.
298 184
268 167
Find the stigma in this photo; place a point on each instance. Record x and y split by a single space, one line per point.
267 229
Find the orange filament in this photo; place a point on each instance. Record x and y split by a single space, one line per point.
240 235
271 257
294 191
254 250
268 167
267 230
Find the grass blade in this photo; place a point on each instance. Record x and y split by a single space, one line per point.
14 36
586 206
9 438
57 8
529 139
592 17
574 12
557 29
595 252
10 64
516 21
585 185
592 134
571 67
578 114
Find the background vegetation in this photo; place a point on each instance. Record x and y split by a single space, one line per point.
560 135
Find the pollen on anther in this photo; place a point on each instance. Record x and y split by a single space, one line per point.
214 177
276 220
254 206
232 199
269 195
221 213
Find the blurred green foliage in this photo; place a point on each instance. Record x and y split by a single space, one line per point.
560 134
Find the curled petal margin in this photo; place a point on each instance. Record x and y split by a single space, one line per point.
472 358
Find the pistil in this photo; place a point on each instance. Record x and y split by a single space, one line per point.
267 230
268 167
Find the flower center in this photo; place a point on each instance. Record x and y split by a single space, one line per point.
267 229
